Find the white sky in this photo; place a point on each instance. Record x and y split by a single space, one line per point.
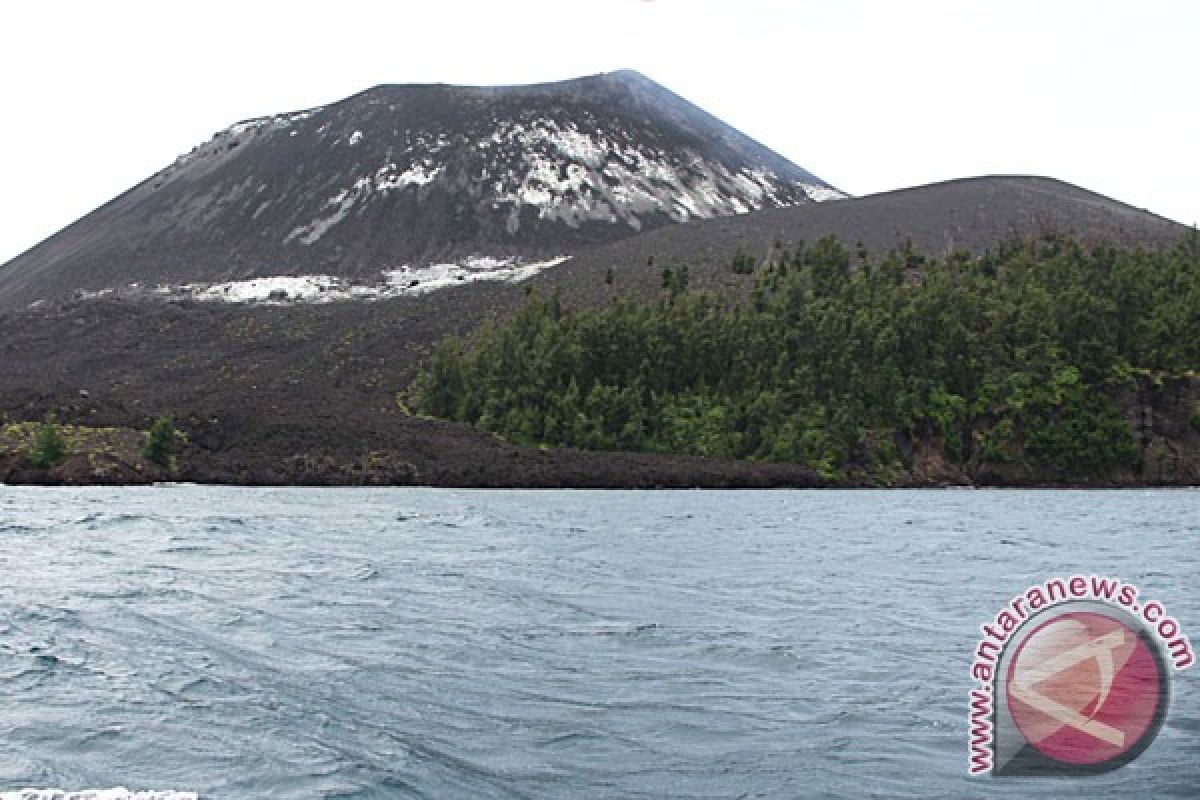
868 94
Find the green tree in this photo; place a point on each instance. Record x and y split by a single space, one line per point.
1012 357
743 262
49 446
161 442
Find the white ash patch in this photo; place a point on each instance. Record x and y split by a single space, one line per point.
408 280
87 294
221 140
821 194
355 138
400 282
416 175
342 203
573 175
488 262
302 288
385 179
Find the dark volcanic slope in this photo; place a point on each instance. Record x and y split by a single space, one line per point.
415 175
968 214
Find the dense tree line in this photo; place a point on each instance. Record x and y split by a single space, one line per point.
1015 355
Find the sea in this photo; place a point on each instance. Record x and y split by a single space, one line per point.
184 641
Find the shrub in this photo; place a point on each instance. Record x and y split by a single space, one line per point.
743 262
160 442
49 446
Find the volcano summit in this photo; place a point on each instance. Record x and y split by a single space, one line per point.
380 187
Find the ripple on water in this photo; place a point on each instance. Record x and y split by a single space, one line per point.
99 520
118 793
307 643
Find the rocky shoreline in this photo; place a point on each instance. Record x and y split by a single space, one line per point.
467 459
432 454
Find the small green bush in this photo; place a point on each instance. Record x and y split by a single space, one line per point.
160 442
743 262
49 446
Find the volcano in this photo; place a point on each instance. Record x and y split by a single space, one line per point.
403 177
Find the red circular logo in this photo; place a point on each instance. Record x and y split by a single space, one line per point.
1085 688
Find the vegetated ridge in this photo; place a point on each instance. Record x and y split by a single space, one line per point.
1014 367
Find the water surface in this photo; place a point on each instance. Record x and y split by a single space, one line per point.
305 643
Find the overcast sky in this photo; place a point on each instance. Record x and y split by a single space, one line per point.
870 95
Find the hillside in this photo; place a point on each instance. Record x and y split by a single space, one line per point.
1045 361
372 191
305 392
971 214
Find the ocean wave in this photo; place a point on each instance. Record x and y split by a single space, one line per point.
118 793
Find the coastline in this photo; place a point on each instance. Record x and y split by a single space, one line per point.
520 468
